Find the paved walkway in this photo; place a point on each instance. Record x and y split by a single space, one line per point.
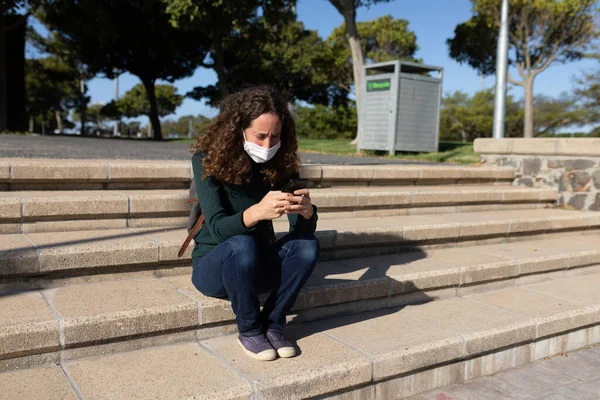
575 376
129 149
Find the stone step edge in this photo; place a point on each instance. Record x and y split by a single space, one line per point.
421 376
204 317
144 221
27 259
30 208
31 170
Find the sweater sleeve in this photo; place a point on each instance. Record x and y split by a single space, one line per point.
219 222
301 224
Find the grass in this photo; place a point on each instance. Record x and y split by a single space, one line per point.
327 146
450 152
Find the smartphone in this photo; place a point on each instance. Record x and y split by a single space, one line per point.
295 184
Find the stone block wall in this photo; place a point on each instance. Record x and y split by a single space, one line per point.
572 168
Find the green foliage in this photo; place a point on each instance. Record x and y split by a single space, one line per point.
102 36
284 54
181 126
135 102
254 42
52 87
101 122
323 122
296 60
383 39
466 118
287 56
540 32
553 114
588 90
475 43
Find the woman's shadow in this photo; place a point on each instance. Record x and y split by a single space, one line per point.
348 291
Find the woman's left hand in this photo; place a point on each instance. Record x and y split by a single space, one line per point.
300 204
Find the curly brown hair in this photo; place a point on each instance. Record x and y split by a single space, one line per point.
223 143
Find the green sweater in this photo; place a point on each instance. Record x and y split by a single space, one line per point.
223 204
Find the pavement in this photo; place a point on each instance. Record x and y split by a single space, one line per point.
573 376
53 146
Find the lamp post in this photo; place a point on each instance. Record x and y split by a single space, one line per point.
116 127
501 72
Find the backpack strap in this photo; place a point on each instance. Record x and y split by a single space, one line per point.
191 235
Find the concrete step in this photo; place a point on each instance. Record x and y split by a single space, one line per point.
45 174
52 259
388 354
55 211
99 317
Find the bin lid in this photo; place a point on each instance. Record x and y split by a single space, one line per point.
403 66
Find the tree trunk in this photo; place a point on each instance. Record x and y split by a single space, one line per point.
358 58
528 128
154 119
30 124
219 66
3 102
59 124
83 118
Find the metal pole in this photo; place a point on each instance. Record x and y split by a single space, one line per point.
116 128
501 72
82 105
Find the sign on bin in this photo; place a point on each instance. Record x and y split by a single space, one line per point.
379 85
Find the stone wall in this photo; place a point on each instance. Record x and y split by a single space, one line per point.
572 166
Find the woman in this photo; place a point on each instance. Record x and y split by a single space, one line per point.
241 164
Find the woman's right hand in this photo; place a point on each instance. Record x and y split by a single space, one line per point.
271 206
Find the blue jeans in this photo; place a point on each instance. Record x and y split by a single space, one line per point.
239 269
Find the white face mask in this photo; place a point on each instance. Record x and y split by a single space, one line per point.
259 154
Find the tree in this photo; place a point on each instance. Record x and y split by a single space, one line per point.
56 49
136 102
256 42
12 23
52 86
213 22
541 32
588 90
467 118
323 122
552 115
101 36
348 10
94 113
181 126
287 56
383 39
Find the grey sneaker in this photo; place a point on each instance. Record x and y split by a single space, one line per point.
284 348
257 347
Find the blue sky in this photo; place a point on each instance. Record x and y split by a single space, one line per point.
433 21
